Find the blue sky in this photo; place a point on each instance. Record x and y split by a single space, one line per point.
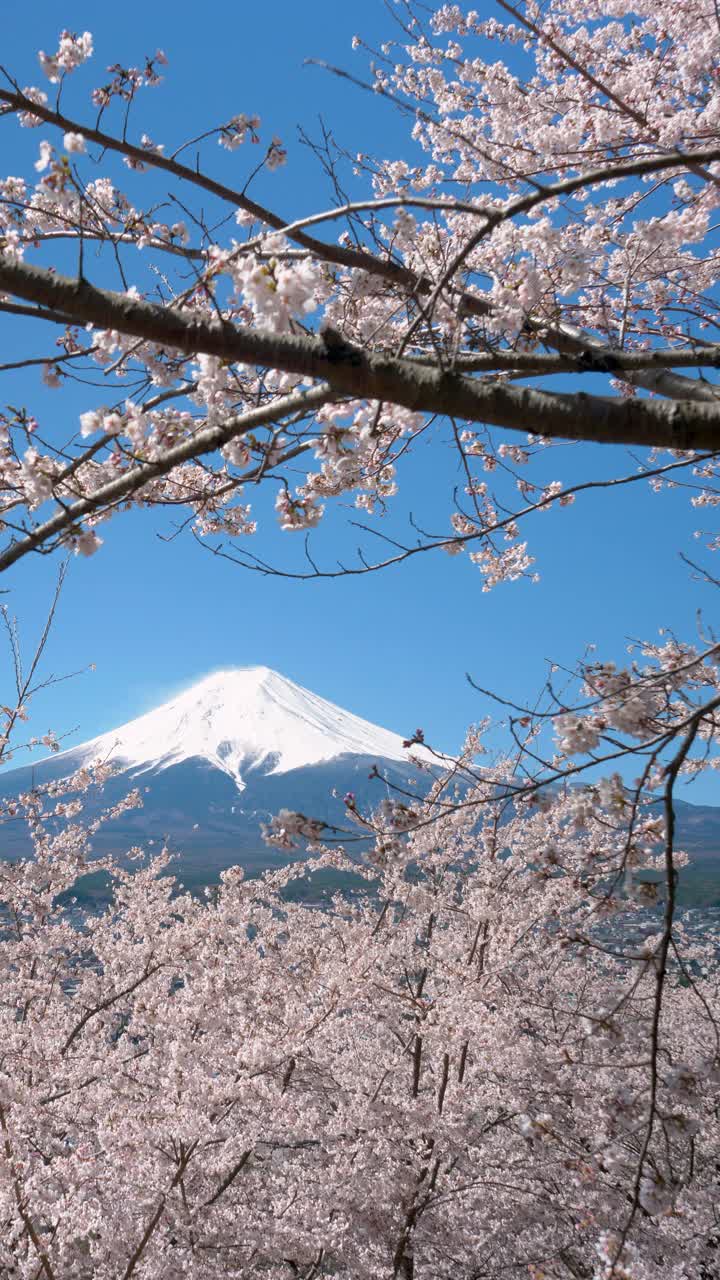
153 615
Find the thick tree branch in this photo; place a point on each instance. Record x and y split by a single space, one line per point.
353 372
600 359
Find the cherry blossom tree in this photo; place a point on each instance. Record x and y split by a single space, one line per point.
488 1059
499 1054
553 216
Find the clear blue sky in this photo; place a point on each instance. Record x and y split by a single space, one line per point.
154 615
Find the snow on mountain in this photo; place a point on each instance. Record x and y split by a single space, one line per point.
239 720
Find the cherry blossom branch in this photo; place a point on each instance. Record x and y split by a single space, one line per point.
154 1220
586 74
525 204
36 313
660 957
361 259
17 102
24 688
493 215
591 360
45 1264
108 1003
44 360
247 560
125 237
206 441
353 371
659 740
229 1178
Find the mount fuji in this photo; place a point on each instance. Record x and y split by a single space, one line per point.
219 759
240 721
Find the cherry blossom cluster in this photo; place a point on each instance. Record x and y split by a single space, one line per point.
642 702
276 290
127 80
286 827
72 51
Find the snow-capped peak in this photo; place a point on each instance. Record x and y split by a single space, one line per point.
244 718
